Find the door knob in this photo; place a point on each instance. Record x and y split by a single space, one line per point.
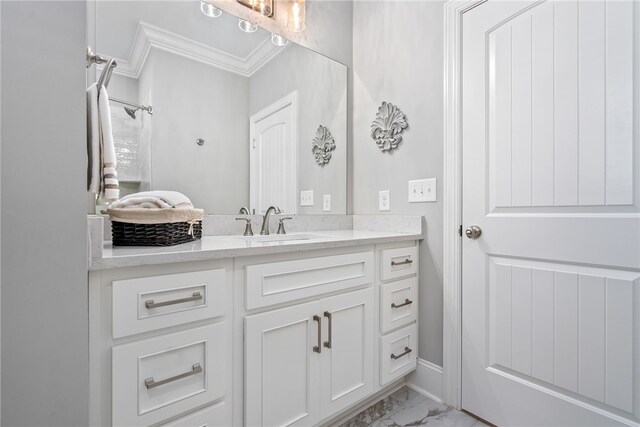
473 232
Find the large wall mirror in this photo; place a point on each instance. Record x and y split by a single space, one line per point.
234 114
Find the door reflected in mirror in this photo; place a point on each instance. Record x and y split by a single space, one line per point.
234 113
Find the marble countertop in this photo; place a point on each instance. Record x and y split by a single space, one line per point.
214 247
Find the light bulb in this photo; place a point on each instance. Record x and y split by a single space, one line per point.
247 26
210 10
261 7
278 40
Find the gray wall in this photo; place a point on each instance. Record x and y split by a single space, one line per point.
321 85
192 100
44 242
398 57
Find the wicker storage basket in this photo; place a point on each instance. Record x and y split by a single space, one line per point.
143 228
166 234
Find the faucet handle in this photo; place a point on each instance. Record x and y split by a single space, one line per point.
247 229
281 229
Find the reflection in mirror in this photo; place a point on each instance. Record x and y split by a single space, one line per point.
233 114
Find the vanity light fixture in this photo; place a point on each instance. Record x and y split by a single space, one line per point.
210 10
247 26
278 40
297 16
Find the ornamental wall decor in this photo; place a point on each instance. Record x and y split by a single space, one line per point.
323 145
387 128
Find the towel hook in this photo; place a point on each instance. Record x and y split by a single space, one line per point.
106 73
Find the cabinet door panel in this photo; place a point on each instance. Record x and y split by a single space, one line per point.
347 367
281 369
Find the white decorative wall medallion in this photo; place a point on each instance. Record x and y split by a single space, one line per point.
387 128
323 145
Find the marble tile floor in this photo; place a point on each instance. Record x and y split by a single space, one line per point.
407 407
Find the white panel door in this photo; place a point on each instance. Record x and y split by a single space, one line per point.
282 368
347 350
273 174
551 288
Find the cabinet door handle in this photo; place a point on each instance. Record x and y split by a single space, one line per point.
406 351
318 348
406 302
329 318
150 383
406 261
196 296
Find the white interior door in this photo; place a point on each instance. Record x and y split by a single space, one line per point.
273 175
551 288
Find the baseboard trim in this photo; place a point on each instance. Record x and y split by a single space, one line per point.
427 380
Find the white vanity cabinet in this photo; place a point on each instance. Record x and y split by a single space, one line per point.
297 338
398 277
307 362
157 345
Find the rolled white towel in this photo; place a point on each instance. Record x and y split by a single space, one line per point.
154 200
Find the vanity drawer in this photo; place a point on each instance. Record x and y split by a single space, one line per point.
398 304
398 354
150 303
159 378
285 281
217 415
399 262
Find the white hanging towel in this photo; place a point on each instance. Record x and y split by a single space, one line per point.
93 141
102 175
110 186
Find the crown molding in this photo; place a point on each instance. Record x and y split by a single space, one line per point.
149 36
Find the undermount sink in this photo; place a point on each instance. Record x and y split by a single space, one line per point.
279 237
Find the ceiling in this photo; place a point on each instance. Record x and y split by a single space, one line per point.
117 21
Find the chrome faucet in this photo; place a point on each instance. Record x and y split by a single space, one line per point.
265 220
244 211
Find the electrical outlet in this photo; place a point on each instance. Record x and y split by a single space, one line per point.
306 198
326 202
422 190
383 200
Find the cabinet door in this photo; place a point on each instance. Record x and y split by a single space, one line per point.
347 351
282 368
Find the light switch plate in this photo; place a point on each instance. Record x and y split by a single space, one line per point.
422 190
326 203
383 200
306 198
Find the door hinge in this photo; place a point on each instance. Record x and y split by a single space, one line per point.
460 231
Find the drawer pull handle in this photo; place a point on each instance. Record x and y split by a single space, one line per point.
405 262
151 383
406 351
318 348
151 304
328 316
406 302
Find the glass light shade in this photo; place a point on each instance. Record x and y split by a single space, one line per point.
278 40
210 10
297 16
247 26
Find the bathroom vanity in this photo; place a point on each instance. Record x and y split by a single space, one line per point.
295 329
273 330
